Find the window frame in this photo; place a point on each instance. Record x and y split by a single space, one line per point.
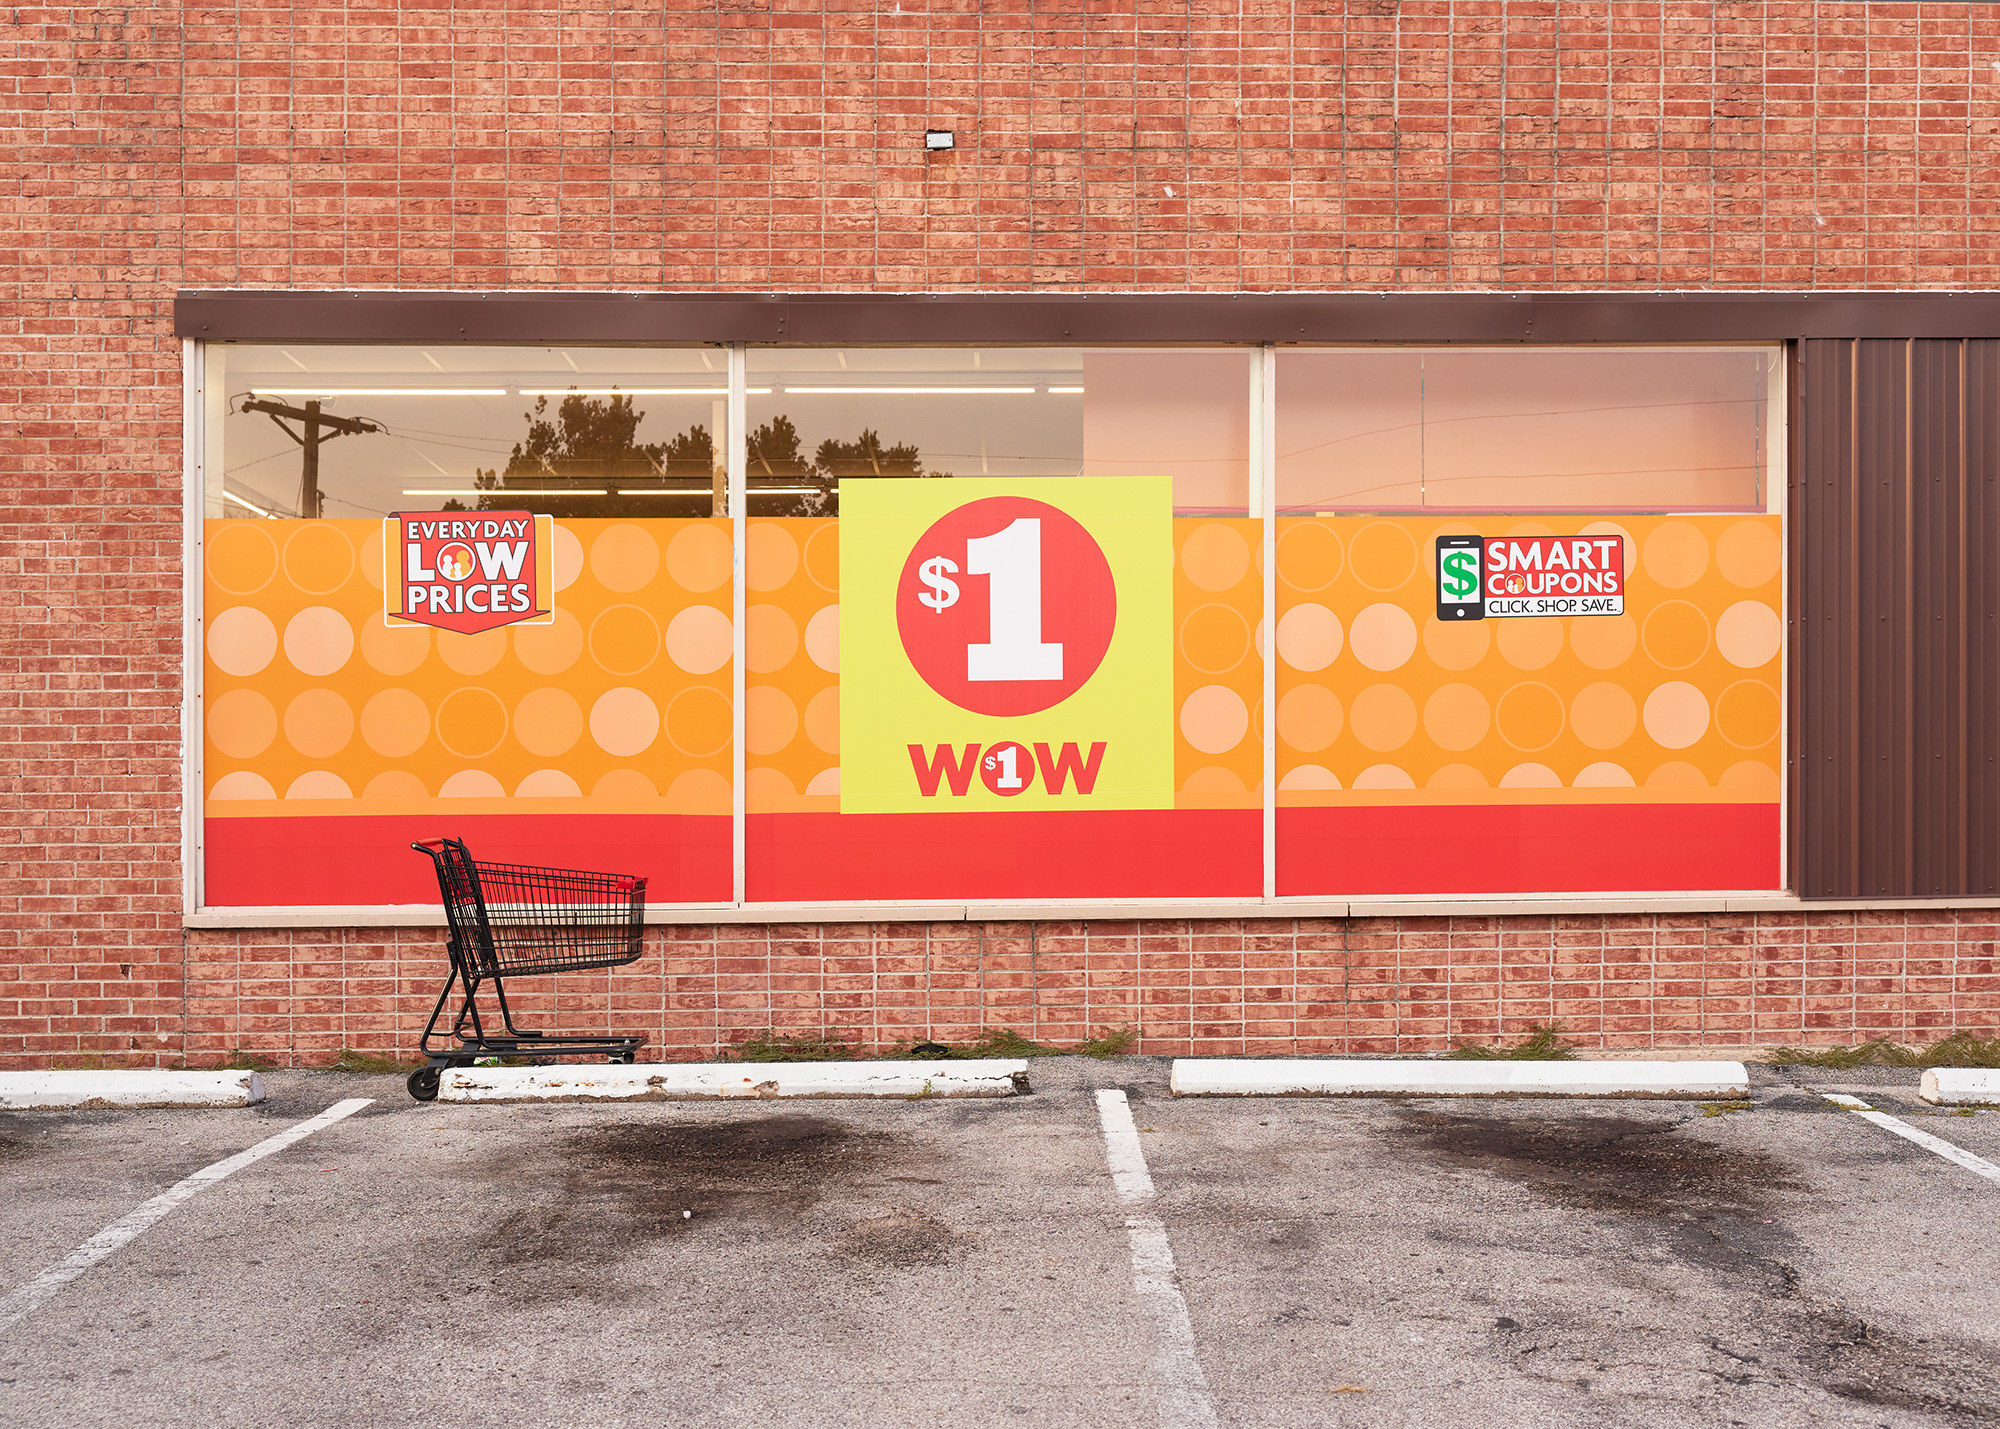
199 408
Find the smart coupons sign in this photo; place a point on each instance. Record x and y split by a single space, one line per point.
1499 576
467 571
1006 644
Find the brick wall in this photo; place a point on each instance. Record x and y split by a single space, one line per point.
1365 144
1265 986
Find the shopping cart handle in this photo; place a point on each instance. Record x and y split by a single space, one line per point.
430 845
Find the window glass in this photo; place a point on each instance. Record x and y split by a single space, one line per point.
1526 429
1185 414
364 431
878 764
551 681
357 666
818 416
1350 430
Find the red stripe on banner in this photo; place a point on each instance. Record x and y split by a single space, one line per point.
367 859
1165 853
1526 848
1150 853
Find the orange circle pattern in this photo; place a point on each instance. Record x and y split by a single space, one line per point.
1678 697
1534 704
311 694
791 721
1218 665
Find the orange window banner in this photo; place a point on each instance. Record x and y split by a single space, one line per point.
596 733
1006 645
1627 734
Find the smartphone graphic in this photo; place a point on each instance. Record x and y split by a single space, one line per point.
1460 577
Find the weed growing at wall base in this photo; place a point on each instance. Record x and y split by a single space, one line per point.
1961 1049
1543 1044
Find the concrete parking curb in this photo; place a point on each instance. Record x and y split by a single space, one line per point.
1961 1086
85 1091
701 1081
1232 1077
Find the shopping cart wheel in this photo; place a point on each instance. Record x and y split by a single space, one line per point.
624 1059
423 1084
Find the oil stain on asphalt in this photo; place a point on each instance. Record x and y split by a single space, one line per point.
1719 1211
629 1186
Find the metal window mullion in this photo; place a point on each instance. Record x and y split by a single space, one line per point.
1779 439
739 509
193 506
1266 458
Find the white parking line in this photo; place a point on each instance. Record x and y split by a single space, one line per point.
1957 1155
126 1227
1177 1376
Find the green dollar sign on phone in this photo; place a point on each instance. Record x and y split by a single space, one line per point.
1461 574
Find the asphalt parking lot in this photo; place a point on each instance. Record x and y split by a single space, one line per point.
1380 1262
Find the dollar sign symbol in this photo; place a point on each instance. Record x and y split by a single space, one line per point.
936 573
1459 580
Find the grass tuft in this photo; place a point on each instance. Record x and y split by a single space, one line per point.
1114 1043
1964 1049
771 1045
85 1062
242 1061
1543 1044
1006 1042
1961 1049
370 1064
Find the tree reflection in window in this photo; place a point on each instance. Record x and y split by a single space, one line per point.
584 460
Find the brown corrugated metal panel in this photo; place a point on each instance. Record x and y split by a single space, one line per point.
1895 594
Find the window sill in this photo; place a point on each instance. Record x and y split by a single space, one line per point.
1164 910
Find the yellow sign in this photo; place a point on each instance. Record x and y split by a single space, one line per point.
1006 644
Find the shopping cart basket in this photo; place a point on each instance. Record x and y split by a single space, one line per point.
510 920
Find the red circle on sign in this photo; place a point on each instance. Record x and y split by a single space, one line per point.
1007 769
1006 606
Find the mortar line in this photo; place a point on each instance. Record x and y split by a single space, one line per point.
1034 989
1295 987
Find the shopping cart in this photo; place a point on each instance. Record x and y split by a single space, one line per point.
510 920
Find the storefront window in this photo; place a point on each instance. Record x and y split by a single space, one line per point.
970 671
1529 620
1527 429
1003 619
469 588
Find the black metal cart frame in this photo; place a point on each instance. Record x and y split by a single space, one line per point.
515 920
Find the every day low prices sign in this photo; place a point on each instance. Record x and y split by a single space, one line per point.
1006 644
467 571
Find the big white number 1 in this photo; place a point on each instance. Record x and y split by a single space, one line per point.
1014 648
